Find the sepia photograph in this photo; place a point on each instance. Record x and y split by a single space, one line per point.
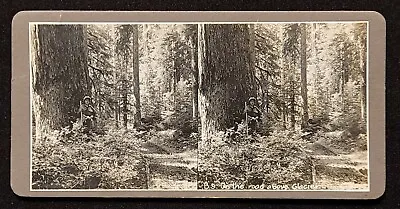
276 106
283 106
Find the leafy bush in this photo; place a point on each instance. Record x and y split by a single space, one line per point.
70 159
253 160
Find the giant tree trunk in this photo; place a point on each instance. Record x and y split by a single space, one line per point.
226 79
136 89
303 64
59 74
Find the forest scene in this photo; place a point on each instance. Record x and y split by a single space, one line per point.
265 106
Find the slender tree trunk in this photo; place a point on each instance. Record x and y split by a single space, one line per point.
195 85
284 114
116 101
115 80
342 79
97 89
252 49
125 107
363 97
283 94
266 93
173 79
284 111
283 99
119 105
136 88
316 81
123 48
59 75
292 95
125 93
292 104
226 80
303 64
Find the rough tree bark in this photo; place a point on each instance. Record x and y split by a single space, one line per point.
226 79
124 50
303 64
291 51
59 75
136 89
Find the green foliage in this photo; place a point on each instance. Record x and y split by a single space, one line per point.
347 115
254 160
70 159
291 44
124 36
167 75
267 72
177 57
101 68
181 106
347 80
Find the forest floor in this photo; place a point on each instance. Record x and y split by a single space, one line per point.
338 168
118 159
170 167
131 159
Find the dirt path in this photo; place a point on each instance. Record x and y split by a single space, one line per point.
337 171
168 167
170 170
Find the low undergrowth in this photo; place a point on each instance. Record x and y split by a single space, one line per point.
70 159
254 162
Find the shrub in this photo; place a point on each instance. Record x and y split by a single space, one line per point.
70 159
253 160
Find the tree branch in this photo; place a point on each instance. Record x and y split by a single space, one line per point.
97 69
263 70
258 35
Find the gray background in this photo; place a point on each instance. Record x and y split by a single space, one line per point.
388 8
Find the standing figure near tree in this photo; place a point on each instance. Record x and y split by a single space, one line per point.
253 115
87 114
